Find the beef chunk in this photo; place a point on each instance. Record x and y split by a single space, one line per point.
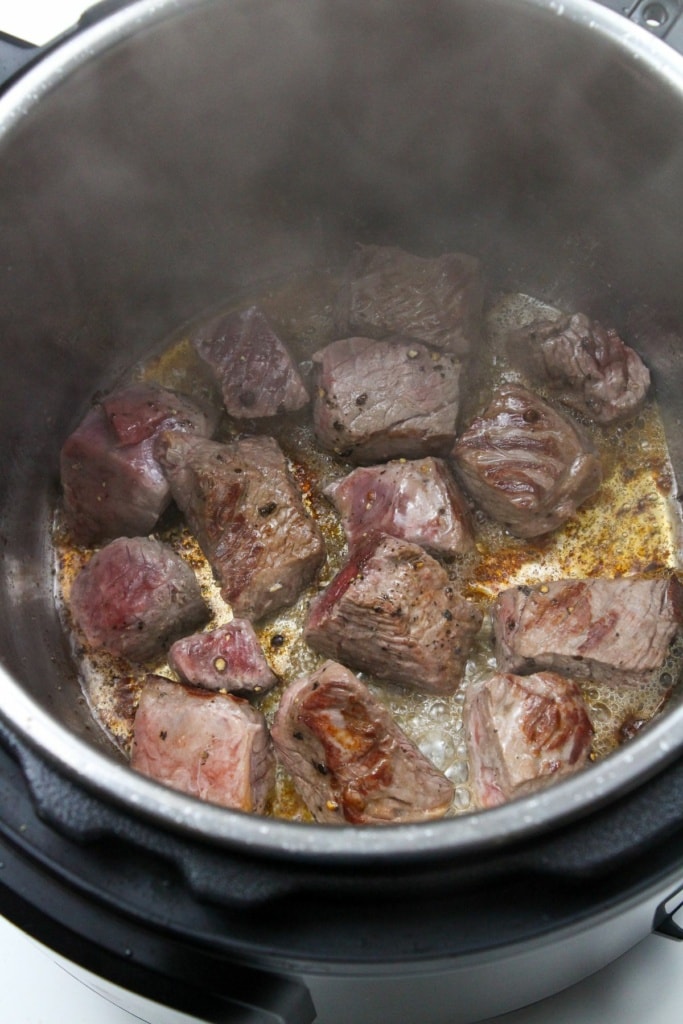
251 364
349 759
229 657
525 464
436 301
524 732
113 484
392 611
376 400
588 364
210 745
417 500
612 631
248 516
134 596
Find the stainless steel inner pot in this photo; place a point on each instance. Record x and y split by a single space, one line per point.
179 151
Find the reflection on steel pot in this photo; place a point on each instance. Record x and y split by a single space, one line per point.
179 153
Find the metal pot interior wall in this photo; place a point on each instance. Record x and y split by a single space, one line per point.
158 166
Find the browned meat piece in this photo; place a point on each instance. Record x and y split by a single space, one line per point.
134 597
418 501
436 301
526 465
113 485
210 745
349 759
588 364
612 631
392 611
524 732
248 516
251 364
229 658
376 400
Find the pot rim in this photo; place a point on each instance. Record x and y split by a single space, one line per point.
643 757
77 48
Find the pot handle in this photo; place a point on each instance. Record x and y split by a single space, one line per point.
17 55
662 18
669 916
14 55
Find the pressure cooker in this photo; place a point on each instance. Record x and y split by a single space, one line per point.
164 154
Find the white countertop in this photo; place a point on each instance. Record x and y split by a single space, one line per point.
38 21
645 985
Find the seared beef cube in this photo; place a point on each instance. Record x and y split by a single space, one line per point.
251 364
349 759
229 658
436 301
588 364
209 745
524 732
134 597
113 484
381 399
526 465
392 611
248 516
418 501
613 631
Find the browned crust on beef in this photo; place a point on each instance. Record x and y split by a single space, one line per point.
526 465
393 611
588 365
436 300
417 500
252 366
524 732
377 400
615 631
349 759
248 516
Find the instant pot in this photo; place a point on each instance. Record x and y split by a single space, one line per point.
163 155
